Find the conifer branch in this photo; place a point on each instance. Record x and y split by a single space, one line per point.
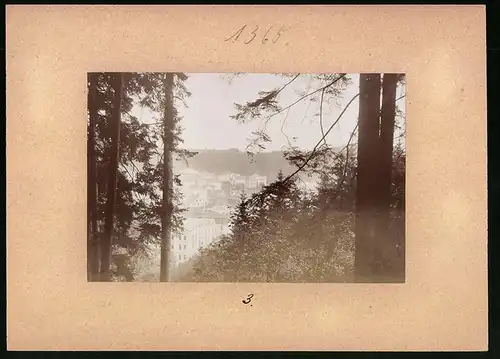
319 142
305 96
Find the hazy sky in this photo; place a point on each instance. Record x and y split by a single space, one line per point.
207 123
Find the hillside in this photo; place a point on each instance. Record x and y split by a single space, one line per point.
235 161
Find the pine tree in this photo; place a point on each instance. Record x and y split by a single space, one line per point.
376 250
240 221
386 242
168 144
106 241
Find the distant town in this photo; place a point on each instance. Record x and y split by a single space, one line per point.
209 199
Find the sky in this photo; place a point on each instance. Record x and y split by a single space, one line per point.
207 123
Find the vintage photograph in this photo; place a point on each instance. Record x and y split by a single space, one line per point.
246 177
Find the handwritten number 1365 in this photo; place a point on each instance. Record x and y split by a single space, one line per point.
253 35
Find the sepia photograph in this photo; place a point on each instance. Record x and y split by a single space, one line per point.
246 177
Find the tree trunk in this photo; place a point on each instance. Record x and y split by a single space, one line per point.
168 142
113 171
387 121
367 191
387 242
92 242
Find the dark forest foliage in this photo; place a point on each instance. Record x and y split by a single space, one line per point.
138 209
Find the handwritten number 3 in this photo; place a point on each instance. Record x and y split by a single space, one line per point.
254 32
246 301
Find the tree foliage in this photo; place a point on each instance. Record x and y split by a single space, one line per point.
285 234
138 207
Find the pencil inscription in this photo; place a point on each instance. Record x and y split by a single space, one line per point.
251 33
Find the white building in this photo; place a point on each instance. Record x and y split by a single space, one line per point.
214 185
254 181
237 179
199 203
198 233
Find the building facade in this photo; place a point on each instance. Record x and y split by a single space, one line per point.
198 233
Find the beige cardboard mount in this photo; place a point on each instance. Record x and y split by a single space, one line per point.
442 305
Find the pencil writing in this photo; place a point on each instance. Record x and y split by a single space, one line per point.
251 33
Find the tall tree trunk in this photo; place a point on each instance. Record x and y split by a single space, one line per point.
387 244
168 144
367 191
92 242
387 121
112 184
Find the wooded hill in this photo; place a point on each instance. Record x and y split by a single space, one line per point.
236 161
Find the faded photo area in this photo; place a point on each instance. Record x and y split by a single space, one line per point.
243 177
